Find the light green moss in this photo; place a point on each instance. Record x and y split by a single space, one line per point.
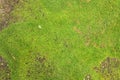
75 37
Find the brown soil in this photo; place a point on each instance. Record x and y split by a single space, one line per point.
6 6
39 67
4 70
109 69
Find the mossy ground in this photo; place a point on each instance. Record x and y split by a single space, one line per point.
75 36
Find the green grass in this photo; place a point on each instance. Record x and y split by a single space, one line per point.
76 36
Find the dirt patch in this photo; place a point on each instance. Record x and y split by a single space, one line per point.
39 68
4 70
77 30
6 6
109 69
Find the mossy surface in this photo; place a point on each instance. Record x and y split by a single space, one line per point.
61 39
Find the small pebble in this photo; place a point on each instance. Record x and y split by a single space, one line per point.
2 64
39 27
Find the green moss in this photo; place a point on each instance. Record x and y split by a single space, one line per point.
75 36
